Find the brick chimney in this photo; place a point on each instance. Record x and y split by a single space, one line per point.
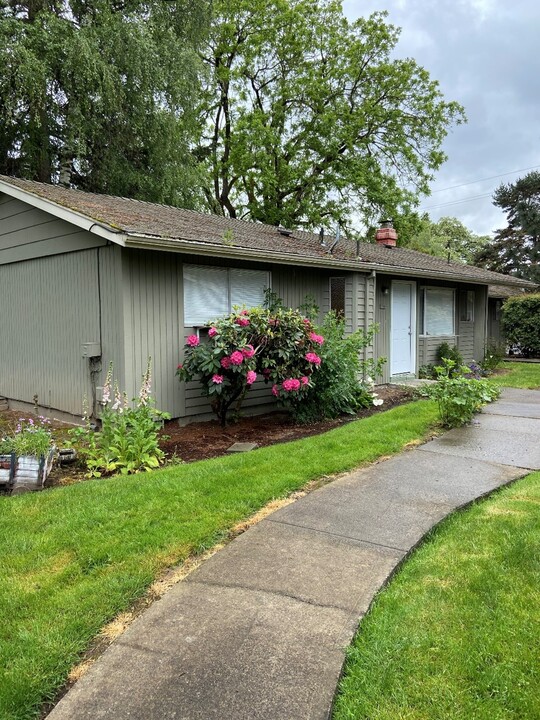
386 235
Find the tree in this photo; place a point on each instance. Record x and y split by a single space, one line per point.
447 238
515 249
101 94
308 118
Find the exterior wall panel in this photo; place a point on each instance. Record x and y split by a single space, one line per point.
50 308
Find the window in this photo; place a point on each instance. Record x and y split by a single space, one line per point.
213 291
466 306
436 311
337 295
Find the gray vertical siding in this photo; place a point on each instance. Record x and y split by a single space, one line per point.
153 316
50 307
27 233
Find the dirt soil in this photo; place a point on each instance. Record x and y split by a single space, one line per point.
202 440
198 441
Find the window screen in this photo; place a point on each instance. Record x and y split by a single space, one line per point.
210 292
337 295
466 306
438 311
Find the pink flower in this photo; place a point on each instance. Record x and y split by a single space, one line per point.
180 366
225 362
212 332
192 341
275 390
304 380
244 312
236 358
217 379
313 358
291 384
251 377
248 351
242 321
306 322
316 338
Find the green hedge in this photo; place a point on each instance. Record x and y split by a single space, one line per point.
521 323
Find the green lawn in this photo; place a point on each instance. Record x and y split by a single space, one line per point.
74 557
521 375
456 635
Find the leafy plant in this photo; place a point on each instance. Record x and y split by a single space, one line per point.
344 382
493 356
128 441
458 397
445 351
427 372
277 344
31 437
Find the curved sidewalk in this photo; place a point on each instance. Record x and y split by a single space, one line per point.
260 629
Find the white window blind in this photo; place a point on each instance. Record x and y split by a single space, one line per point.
210 292
206 294
247 287
438 311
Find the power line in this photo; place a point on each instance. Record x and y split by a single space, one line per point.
492 177
455 202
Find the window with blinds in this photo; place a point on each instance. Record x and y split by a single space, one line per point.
210 292
437 311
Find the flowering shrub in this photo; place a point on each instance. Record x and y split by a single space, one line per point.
128 439
344 382
272 343
457 396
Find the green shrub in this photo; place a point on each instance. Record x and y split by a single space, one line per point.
521 323
457 396
344 382
426 372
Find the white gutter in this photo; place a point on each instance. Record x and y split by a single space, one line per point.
64 213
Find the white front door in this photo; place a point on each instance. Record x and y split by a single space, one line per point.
403 328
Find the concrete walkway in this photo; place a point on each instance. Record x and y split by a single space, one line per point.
260 630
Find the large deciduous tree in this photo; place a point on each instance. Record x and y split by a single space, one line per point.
100 94
515 249
309 118
447 238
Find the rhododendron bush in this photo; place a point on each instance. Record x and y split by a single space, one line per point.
313 372
278 346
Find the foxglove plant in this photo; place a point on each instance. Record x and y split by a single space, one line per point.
128 440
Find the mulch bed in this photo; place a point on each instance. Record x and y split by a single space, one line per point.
202 440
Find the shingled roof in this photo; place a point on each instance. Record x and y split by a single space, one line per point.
133 223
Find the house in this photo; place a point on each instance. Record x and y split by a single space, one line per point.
497 294
87 279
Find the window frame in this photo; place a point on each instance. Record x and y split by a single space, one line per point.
467 301
423 306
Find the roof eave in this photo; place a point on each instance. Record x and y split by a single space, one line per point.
201 248
63 212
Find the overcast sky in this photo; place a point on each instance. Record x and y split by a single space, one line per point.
485 54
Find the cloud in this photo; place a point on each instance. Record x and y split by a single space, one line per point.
484 55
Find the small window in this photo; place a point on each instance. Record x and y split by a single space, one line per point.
437 311
211 292
466 306
337 295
